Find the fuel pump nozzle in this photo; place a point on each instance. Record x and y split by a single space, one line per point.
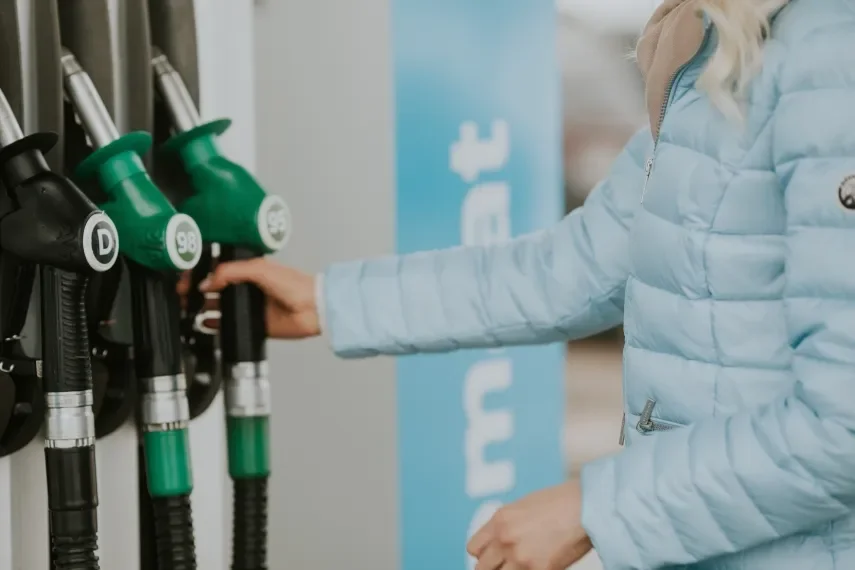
234 211
228 203
154 235
158 242
53 224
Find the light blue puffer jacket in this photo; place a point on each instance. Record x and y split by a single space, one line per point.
735 281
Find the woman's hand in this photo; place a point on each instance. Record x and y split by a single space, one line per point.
542 531
291 309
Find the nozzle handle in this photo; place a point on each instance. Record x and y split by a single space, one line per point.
243 324
53 223
153 233
228 203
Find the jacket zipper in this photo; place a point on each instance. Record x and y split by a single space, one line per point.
648 168
646 424
666 101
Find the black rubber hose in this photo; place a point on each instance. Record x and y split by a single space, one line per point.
243 336
249 532
71 474
73 507
173 533
157 352
66 363
156 313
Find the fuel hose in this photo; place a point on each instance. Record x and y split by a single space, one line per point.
235 212
157 242
53 224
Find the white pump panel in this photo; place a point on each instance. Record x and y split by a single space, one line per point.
226 75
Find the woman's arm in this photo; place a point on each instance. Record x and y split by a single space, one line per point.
728 484
567 282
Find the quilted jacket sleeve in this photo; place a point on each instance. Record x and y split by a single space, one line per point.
562 283
727 484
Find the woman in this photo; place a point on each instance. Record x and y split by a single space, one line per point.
730 264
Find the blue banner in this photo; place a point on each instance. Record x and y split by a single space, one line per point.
478 142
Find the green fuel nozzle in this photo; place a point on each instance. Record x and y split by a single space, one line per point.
158 242
234 211
153 233
228 203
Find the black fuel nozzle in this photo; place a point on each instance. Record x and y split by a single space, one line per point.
23 401
21 396
51 223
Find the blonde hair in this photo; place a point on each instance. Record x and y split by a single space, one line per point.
742 27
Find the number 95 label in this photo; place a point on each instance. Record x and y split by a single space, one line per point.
274 222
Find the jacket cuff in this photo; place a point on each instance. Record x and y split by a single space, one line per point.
604 525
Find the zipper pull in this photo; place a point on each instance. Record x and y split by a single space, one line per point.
648 168
645 423
622 438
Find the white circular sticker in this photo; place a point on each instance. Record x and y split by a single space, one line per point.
274 222
100 241
846 192
183 241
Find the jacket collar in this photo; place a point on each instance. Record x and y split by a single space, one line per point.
670 39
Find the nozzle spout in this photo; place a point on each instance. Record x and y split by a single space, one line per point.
88 106
10 130
173 91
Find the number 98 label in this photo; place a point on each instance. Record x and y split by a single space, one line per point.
183 241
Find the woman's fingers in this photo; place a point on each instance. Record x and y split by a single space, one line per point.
492 558
481 539
183 285
255 271
183 288
293 289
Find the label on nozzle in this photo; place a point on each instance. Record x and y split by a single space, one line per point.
183 242
274 222
100 241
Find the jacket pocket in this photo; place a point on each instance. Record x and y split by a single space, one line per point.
645 424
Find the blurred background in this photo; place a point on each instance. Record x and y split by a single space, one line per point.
603 104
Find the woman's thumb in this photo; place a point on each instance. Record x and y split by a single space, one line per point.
234 272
